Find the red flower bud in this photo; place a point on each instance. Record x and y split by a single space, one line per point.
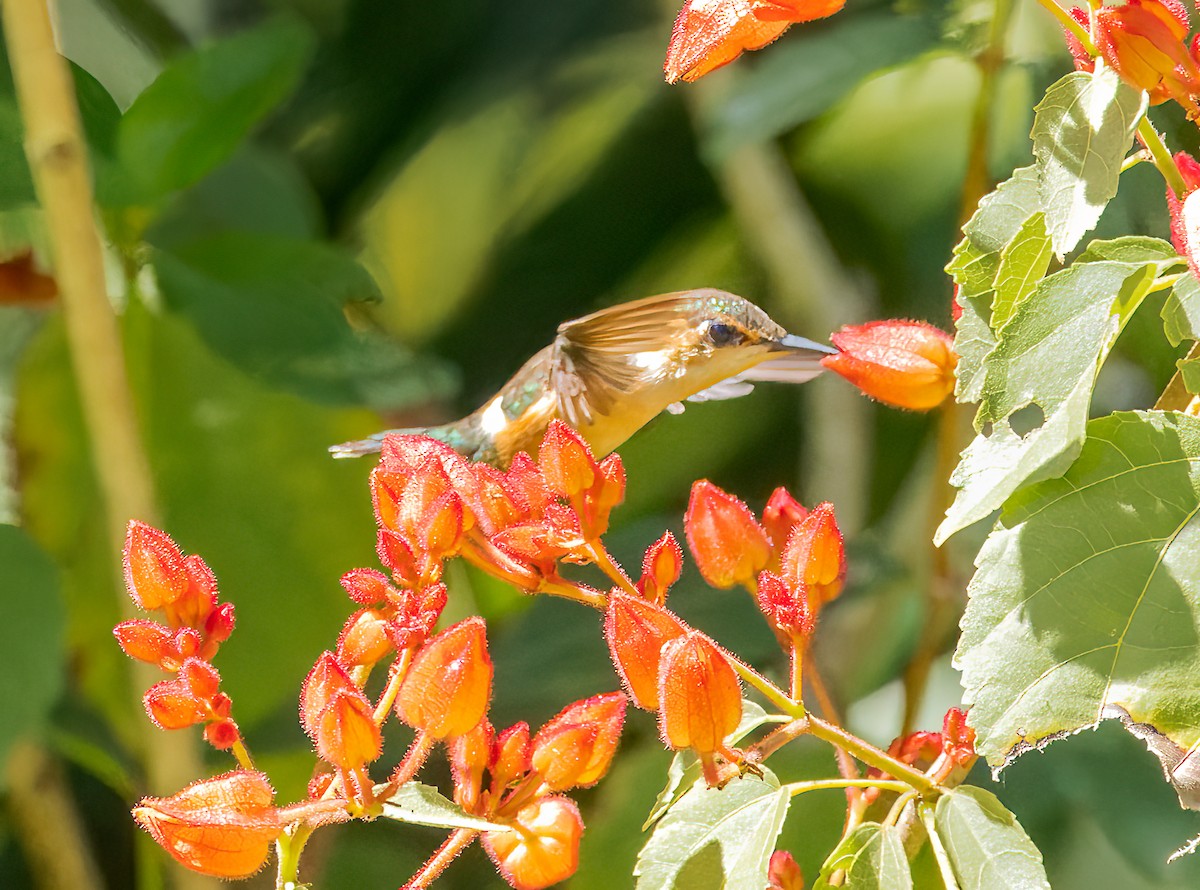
782 514
395 553
150 642
346 735
729 545
171 704
222 826
323 682
902 363
699 694
815 558
154 571
566 461
784 872
636 632
510 755
364 639
449 684
577 747
786 607
958 739
661 567
417 613
545 847
367 586
469 757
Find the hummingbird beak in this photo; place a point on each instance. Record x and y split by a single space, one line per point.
792 343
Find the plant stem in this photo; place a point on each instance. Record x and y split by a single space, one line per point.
609 566
288 847
939 851
442 857
769 690
978 179
395 679
1161 155
871 755
795 788
1176 397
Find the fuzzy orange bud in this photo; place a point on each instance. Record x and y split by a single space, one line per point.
576 748
636 632
958 739
346 735
154 571
661 567
699 694
566 461
364 639
545 847
815 557
784 872
1143 41
729 545
510 755
222 826
449 684
782 514
902 363
469 757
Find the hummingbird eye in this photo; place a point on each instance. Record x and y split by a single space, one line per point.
723 334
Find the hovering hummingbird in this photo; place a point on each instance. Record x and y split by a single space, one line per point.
609 373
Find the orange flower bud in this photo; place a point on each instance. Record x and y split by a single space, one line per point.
566 461
364 639
150 642
576 748
469 757
902 363
782 514
636 632
449 684
814 559
510 755
346 735
786 607
498 506
712 33
222 734
154 572
1143 41
784 872
395 553
325 680
366 586
661 567
171 704
545 847
607 492
729 545
222 826
528 485
417 614
699 694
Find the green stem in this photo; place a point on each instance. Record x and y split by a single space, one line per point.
939 851
288 847
871 755
1161 155
769 690
794 788
1077 30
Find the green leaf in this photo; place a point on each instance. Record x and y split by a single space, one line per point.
1023 263
273 306
424 805
872 858
200 108
1081 132
1000 218
1085 599
685 770
1181 311
988 848
715 837
803 76
1048 355
31 636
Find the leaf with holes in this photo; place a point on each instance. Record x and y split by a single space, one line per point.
1082 130
1086 600
1048 355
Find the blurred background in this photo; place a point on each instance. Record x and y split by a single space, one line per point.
328 217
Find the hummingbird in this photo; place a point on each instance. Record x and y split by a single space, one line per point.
610 373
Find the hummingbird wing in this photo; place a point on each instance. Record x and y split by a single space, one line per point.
604 356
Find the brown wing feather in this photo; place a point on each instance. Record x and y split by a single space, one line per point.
599 349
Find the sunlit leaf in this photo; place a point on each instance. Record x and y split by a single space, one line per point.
1085 597
425 805
871 857
987 847
1048 355
1083 129
200 108
715 837
1023 262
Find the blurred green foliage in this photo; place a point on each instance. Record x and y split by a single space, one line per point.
328 216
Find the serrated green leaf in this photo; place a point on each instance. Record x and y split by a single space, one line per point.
999 219
1181 311
685 770
1085 598
1082 130
200 108
715 837
273 306
31 636
871 857
988 848
1023 263
1048 355
424 805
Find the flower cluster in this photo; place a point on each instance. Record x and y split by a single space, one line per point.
940 753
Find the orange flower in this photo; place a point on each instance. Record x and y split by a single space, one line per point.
1143 41
636 632
449 684
781 514
543 850
814 559
338 717
576 748
222 826
729 545
902 363
699 696
711 33
661 567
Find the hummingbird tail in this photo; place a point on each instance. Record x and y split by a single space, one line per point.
370 445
